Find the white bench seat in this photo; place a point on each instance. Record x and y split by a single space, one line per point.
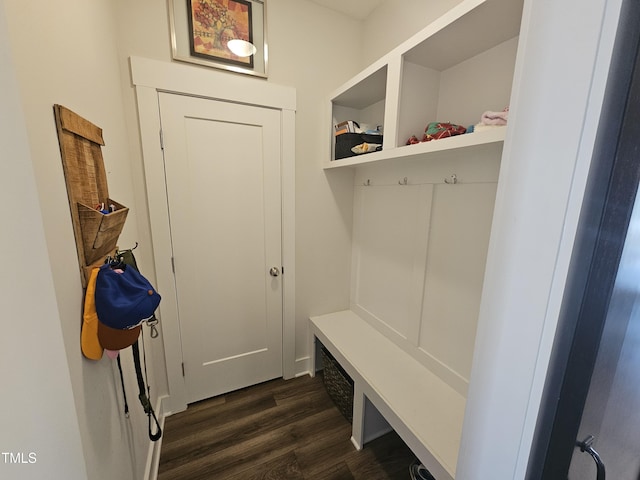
424 410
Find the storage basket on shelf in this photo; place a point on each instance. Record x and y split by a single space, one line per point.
338 384
346 141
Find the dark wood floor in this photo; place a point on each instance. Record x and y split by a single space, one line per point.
288 430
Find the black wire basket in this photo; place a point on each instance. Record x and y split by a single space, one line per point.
338 384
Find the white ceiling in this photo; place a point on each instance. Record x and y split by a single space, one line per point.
358 9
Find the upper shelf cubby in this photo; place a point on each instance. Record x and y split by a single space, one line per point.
453 70
362 102
464 32
367 91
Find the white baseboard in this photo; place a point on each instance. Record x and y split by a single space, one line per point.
153 456
303 366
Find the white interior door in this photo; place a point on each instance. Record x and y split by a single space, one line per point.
222 163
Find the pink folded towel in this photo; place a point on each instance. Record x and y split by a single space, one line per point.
495 118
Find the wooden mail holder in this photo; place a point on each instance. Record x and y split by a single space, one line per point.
96 233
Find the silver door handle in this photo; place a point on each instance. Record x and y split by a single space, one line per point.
274 271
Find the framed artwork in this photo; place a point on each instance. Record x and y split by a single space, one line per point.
225 34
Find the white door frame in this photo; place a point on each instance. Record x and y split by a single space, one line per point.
150 77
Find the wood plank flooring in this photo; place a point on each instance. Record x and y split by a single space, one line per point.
288 430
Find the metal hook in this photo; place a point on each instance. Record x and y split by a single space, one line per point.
154 331
452 180
119 252
152 322
367 183
404 181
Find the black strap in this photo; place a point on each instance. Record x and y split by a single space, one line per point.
124 393
143 395
128 258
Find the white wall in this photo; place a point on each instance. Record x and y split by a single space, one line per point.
37 404
316 66
65 52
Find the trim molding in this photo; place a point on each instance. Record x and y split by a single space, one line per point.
303 367
173 77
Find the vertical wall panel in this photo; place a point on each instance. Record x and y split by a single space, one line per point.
458 241
419 254
390 233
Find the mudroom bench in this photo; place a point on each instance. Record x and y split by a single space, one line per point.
392 390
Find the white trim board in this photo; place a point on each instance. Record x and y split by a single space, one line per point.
150 77
172 77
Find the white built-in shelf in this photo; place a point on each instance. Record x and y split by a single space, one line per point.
453 70
495 135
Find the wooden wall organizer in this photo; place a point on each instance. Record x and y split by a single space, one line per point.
96 233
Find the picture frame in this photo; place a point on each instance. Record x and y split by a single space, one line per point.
208 32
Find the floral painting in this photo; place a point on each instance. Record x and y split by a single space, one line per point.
213 23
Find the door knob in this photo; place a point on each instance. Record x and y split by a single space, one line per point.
274 271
